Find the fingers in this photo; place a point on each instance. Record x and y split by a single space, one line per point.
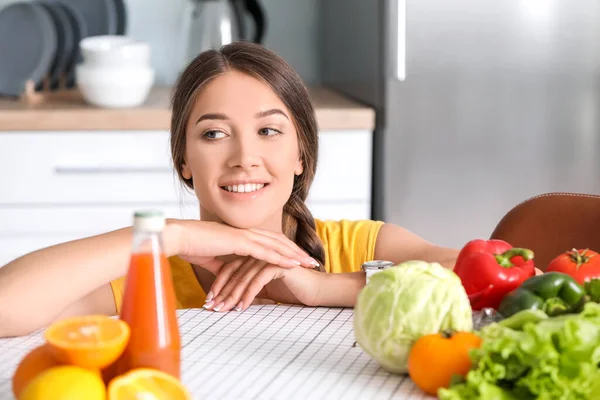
271 247
265 252
260 280
229 297
283 246
223 275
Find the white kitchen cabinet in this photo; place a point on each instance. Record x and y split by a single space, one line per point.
59 186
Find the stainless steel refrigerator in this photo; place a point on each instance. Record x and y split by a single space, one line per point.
480 103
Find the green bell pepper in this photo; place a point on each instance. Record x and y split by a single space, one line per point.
554 293
592 288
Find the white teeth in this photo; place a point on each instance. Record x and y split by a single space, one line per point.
245 188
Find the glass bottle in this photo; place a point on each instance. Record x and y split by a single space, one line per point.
149 304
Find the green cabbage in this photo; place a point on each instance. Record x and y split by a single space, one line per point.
405 302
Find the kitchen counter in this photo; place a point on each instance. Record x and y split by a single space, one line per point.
69 112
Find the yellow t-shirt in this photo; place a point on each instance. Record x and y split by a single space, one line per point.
347 244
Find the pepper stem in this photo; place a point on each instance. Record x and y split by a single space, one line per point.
579 258
504 258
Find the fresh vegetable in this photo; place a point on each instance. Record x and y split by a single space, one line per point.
592 290
553 292
489 269
555 358
582 265
518 320
436 359
405 302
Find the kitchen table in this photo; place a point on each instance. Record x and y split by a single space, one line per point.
265 352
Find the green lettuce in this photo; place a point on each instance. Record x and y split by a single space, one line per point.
554 358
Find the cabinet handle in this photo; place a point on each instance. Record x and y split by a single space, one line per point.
80 170
400 63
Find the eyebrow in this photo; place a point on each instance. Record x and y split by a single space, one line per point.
212 116
272 111
223 117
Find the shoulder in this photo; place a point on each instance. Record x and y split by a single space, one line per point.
348 243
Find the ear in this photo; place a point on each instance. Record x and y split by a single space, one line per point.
299 169
186 172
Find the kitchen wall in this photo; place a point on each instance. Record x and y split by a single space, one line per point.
291 32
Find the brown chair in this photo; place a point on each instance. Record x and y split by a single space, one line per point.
552 223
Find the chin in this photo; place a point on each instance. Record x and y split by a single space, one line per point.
246 221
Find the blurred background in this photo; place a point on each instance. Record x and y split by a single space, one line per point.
437 116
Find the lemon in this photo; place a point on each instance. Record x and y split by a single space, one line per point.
65 383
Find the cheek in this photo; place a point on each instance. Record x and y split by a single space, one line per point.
284 167
204 168
283 160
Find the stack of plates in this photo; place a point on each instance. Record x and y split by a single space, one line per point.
39 41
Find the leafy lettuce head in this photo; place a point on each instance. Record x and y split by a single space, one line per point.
405 302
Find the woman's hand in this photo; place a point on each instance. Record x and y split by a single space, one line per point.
240 281
199 242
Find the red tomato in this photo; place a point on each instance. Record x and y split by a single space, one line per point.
582 265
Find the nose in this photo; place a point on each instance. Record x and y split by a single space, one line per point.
245 153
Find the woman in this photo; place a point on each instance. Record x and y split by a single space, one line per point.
244 138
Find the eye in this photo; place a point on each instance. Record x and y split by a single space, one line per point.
213 135
269 132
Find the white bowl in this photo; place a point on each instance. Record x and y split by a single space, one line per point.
114 51
114 88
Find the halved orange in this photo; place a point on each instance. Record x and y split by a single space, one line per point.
94 341
142 383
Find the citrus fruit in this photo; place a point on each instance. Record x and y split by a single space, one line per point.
36 361
66 382
142 383
434 359
91 341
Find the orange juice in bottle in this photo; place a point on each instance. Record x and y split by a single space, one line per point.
149 305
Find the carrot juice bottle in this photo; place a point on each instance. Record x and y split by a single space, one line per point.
149 305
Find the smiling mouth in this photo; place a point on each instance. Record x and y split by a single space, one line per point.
245 187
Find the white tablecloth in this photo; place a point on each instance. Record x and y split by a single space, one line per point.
265 352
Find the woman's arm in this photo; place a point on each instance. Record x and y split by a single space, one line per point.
398 245
73 278
67 279
240 282
393 243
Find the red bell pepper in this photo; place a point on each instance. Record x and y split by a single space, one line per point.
490 269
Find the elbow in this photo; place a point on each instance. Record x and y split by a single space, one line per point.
10 331
13 325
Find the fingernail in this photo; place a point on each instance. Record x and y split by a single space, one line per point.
296 262
209 296
209 304
314 262
219 306
239 307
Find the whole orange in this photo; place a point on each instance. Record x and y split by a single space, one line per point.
434 359
35 362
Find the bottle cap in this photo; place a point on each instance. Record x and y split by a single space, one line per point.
149 221
372 267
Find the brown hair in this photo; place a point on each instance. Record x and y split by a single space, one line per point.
262 64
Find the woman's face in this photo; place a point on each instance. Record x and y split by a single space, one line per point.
242 152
